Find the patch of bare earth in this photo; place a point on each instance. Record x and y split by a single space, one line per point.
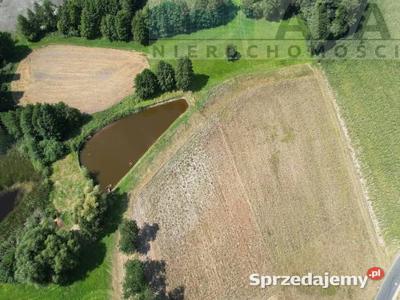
90 79
266 185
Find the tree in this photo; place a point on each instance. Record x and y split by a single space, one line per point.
39 21
89 212
184 74
146 84
123 25
6 47
129 232
140 27
90 20
231 53
166 76
70 17
46 122
52 150
134 280
108 27
45 253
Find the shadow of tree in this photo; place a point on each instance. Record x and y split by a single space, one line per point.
200 80
147 234
155 273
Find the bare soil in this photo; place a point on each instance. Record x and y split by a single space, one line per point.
265 183
90 79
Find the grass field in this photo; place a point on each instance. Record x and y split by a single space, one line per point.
284 198
367 92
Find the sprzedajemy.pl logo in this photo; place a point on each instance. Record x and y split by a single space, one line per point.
324 281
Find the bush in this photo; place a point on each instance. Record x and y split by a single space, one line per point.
134 281
129 234
166 76
7 259
146 84
231 53
184 74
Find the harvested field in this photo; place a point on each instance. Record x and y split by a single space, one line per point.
267 186
90 79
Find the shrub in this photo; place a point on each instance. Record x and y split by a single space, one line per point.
231 53
129 234
7 260
166 76
146 84
184 74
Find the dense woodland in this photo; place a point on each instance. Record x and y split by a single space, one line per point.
326 19
123 20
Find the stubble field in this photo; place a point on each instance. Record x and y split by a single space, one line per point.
90 79
266 185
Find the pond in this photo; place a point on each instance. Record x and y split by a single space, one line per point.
8 199
111 152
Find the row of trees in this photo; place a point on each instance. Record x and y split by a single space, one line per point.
166 78
42 129
135 285
326 19
123 20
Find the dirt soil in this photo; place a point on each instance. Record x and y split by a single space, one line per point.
263 184
90 79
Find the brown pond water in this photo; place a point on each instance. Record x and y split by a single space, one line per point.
111 152
8 200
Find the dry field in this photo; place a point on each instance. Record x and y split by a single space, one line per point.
266 185
90 79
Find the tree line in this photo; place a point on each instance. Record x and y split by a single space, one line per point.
326 20
123 20
166 79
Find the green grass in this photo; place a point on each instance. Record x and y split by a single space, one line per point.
97 283
368 95
16 171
